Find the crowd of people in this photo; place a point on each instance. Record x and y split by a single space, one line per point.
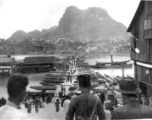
145 100
82 105
36 102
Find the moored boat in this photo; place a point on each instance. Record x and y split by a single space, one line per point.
49 83
43 87
105 65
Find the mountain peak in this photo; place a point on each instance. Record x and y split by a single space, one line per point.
98 11
19 35
92 23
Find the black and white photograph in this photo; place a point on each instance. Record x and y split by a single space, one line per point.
75 59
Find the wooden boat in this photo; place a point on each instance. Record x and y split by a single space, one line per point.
109 79
58 73
99 75
55 76
106 65
52 81
49 83
43 87
72 88
118 79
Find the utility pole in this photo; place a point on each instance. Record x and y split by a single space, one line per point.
111 60
123 70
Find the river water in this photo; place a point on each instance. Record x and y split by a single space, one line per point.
34 79
113 71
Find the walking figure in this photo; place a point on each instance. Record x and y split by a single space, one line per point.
37 104
25 103
85 106
57 105
29 105
102 97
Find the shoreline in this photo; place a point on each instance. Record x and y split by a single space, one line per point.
57 54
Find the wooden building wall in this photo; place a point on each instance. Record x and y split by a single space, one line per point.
144 47
144 35
144 75
142 30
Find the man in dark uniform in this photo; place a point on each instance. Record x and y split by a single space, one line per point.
132 109
86 106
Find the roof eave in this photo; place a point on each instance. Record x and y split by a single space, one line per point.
138 11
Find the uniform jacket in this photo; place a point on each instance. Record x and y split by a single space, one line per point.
132 110
83 106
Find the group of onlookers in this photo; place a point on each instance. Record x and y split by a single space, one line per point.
30 103
48 99
36 102
89 106
80 106
145 100
65 102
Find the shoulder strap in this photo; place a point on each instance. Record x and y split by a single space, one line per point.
94 108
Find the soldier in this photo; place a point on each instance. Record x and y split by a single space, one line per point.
86 106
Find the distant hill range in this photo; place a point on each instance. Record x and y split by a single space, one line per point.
92 23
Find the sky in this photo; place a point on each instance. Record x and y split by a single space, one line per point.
29 15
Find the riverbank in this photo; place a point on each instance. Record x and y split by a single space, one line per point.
90 55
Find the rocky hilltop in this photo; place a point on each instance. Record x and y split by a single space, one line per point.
93 23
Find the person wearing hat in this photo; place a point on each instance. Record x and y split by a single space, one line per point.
132 109
86 106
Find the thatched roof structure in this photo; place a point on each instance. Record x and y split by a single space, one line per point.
39 60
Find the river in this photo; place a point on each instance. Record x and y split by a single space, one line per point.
34 79
112 72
